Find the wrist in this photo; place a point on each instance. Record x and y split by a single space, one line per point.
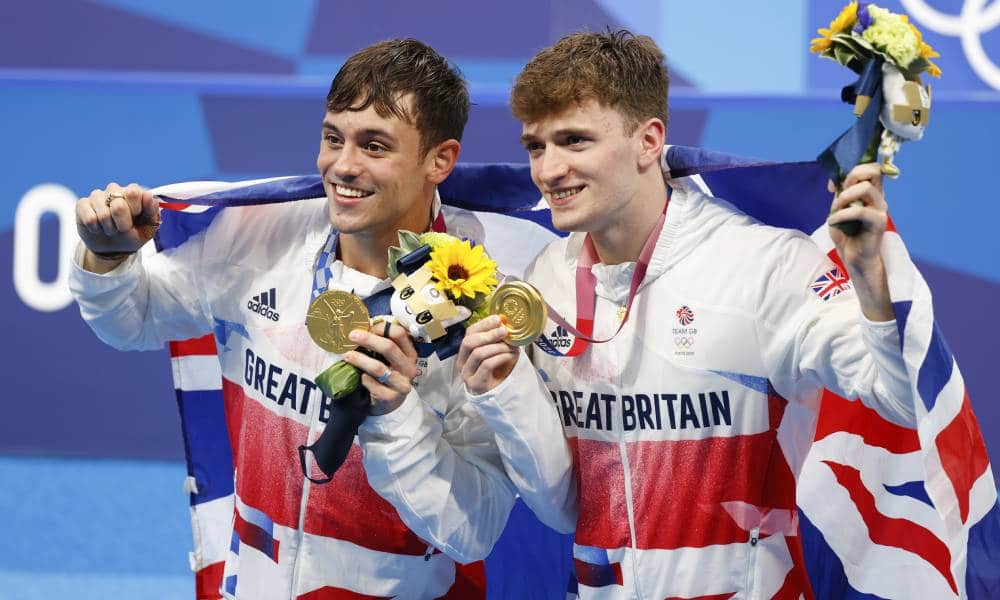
104 262
872 290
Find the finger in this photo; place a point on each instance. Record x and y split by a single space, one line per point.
487 331
367 364
490 372
133 198
381 392
86 217
486 324
150 207
865 172
499 363
99 200
830 186
474 362
402 340
118 207
863 191
871 219
386 347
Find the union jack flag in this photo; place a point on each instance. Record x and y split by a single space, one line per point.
831 284
884 511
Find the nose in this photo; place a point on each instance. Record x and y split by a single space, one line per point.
551 167
347 164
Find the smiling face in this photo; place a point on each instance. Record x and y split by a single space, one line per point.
376 178
586 165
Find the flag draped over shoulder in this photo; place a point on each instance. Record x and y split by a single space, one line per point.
885 511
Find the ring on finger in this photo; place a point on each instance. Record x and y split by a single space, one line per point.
384 377
112 196
385 329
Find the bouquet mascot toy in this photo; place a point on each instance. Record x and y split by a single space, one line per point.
892 106
440 285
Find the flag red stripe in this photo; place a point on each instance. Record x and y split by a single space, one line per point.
335 593
890 531
202 346
838 414
963 454
747 468
470 582
346 509
208 580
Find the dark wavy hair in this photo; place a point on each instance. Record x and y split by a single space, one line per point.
384 73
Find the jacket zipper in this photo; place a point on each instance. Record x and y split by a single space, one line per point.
752 561
303 502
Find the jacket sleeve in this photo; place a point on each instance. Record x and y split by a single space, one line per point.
532 444
147 300
810 343
442 472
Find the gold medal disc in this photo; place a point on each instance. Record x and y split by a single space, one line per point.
524 308
332 316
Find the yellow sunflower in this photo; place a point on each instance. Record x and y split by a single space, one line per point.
844 21
461 269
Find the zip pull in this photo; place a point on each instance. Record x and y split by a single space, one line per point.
427 555
754 533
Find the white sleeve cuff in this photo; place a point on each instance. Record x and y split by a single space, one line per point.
391 424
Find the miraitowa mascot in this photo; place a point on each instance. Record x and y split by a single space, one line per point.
889 54
440 285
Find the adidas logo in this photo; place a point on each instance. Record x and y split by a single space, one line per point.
560 338
264 305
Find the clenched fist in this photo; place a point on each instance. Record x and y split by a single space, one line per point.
115 222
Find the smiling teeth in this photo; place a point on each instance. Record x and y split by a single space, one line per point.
565 193
351 192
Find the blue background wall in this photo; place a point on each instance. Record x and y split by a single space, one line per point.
157 91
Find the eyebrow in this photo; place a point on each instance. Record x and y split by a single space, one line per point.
527 137
370 132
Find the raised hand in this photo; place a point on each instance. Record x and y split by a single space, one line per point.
115 222
388 384
485 359
861 199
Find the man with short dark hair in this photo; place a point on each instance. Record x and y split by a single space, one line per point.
395 115
675 464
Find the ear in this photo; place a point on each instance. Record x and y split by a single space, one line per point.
441 160
651 135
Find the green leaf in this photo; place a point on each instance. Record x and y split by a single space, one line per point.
918 66
842 55
408 240
339 379
395 253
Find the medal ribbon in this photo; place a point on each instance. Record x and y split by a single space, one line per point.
586 286
321 279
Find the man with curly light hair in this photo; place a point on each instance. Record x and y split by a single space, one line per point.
674 463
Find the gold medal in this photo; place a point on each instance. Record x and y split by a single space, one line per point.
332 316
524 308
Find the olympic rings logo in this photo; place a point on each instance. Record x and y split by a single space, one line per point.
969 25
684 342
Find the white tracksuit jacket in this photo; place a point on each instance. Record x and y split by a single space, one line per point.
292 538
683 436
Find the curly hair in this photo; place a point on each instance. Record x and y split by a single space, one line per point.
617 69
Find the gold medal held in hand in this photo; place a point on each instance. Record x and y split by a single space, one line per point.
332 316
524 309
